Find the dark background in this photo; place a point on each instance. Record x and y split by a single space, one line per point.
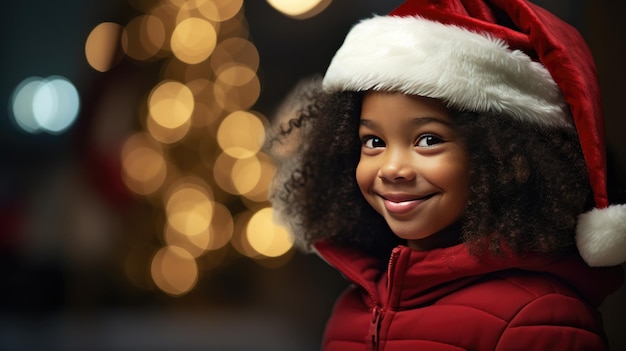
57 294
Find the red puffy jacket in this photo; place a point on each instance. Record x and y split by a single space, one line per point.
447 299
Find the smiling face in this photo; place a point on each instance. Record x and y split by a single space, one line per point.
413 168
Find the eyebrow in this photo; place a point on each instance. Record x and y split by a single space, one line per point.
417 121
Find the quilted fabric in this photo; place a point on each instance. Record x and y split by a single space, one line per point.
447 299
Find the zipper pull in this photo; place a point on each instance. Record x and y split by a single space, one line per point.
374 327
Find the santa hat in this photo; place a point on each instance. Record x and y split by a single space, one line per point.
507 56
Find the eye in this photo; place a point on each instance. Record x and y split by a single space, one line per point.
428 140
372 142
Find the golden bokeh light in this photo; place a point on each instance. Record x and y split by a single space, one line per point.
232 98
206 111
143 165
143 37
174 270
152 34
167 135
239 241
209 10
222 171
101 47
193 40
235 74
241 134
171 104
196 244
245 174
300 9
266 237
189 207
220 10
260 192
198 159
222 226
213 238
235 50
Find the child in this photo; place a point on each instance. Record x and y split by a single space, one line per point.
450 164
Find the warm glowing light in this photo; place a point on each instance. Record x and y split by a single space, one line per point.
265 236
143 37
189 208
174 270
222 171
215 237
167 135
206 111
239 240
143 165
50 105
235 74
193 40
171 104
300 9
246 174
260 192
208 9
235 50
101 47
241 134
233 98
220 10
222 227
195 244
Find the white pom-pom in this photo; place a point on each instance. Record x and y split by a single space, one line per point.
601 236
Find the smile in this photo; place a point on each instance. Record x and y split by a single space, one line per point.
402 204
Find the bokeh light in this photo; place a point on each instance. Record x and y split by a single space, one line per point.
143 37
50 105
193 40
235 50
265 236
300 9
174 270
189 207
198 159
220 10
144 168
241 134
102 46
260 192
171 104
222 227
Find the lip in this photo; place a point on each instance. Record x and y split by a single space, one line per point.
403 203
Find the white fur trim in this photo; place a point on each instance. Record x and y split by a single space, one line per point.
468 70
601 236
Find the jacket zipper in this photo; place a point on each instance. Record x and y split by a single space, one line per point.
377 316
377 311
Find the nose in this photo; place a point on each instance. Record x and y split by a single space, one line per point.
397 166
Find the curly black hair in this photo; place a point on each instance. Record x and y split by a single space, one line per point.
528 182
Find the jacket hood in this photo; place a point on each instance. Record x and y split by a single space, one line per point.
427 275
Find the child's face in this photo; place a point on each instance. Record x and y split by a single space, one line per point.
413 168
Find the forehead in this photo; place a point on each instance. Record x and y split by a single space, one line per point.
382 105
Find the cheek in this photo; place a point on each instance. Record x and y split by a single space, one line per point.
363 176
458 182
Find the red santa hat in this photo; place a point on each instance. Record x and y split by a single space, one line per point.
508 56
